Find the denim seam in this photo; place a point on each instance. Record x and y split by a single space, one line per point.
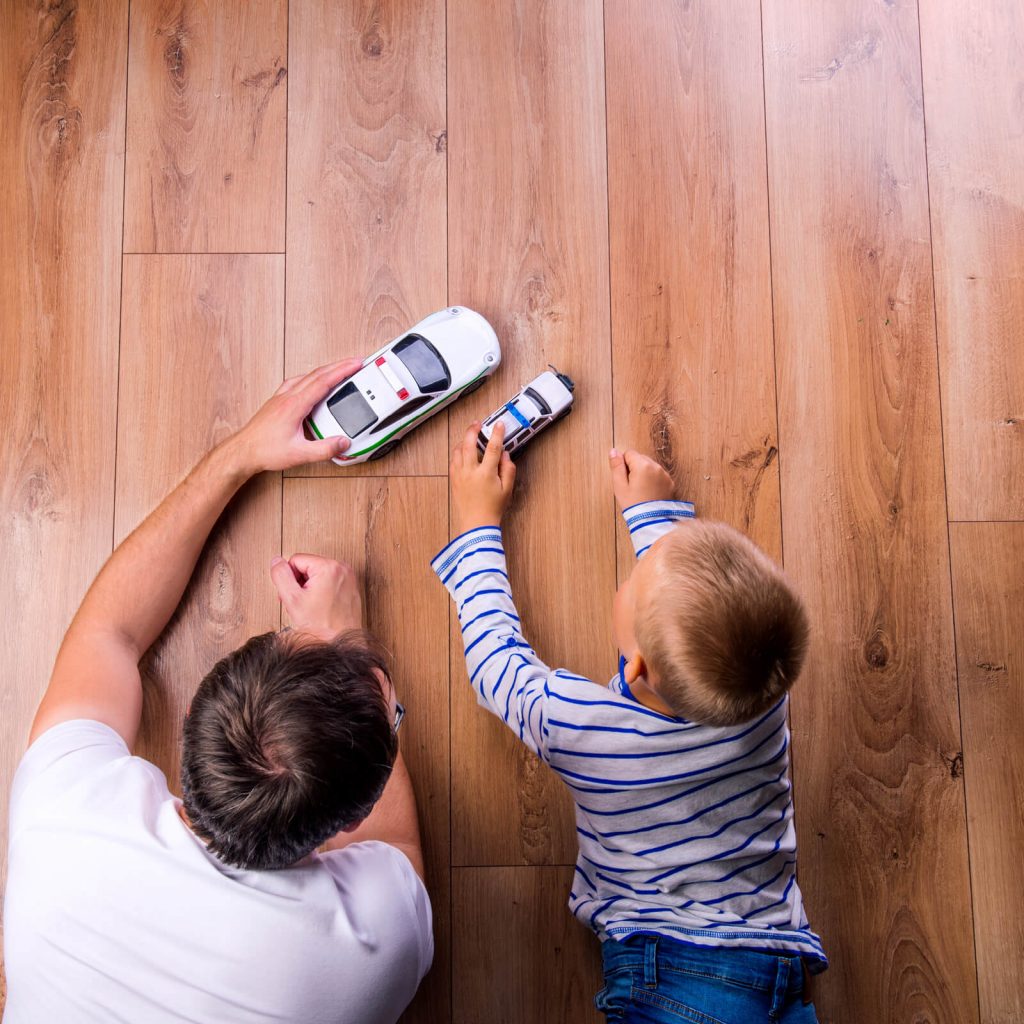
645 995
724 978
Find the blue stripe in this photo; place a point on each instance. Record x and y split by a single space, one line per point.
742 892
655 522
676 750
621 729
512 689
470 554
483 615
483 636
505 592
621 705
777 903
645 548
501 675
480 572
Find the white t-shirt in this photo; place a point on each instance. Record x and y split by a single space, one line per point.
116 912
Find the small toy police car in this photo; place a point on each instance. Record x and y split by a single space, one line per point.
444 356
545 399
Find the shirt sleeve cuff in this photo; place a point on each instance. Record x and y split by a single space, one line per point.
646 512
483 536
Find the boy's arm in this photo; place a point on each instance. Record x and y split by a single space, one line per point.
649 520
644 490
508 677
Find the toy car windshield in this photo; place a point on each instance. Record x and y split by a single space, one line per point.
424 362
351 410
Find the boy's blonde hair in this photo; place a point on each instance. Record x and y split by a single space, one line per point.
718 625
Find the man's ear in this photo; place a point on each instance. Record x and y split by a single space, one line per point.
634 668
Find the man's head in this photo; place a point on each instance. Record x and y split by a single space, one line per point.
287 742
712 624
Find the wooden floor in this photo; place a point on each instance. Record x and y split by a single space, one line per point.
780 244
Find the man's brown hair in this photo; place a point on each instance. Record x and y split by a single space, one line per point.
718 624
285 744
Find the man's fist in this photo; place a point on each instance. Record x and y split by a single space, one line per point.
320 596
481 488
637 478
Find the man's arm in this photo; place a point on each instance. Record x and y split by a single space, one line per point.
393 820
96 674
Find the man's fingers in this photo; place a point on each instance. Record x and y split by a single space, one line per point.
492 453
320 381
321 451
287 585
289 383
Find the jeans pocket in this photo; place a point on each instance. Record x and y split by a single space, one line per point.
670 1010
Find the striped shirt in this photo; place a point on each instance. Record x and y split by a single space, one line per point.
685 830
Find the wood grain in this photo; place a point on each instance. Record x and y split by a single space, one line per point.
988 592
880 808
692 347
971 57
201 348
528 248
61 172
366 192
206 126
518 954
388 530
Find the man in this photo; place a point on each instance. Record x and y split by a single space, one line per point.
126 904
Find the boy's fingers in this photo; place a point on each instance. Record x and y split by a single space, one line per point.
469 441
506 472
617 462
492 453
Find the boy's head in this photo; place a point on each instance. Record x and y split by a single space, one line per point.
287 742
712 624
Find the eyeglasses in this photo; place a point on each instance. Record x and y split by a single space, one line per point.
399 714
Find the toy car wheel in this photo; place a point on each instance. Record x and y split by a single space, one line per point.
382 451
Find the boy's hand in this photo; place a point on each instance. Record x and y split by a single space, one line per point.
320 595
480 489
637 478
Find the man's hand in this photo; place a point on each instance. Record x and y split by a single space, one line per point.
481 490
274 439
320 596
637 478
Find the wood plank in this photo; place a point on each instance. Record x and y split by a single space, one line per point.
61 175
692 341
988 592
528 248
388 530
880 811
971 57
366 192
206 126
201 349
518 953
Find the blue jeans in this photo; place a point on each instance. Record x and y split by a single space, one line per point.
652 979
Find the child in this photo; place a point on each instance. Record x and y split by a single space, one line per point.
679 768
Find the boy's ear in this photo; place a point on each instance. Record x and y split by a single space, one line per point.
634 668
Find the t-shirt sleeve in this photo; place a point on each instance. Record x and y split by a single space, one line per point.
65 757
386 878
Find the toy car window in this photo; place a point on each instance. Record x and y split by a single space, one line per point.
402 411
351 410
424 362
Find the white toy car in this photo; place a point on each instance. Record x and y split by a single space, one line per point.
545 399
445 356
